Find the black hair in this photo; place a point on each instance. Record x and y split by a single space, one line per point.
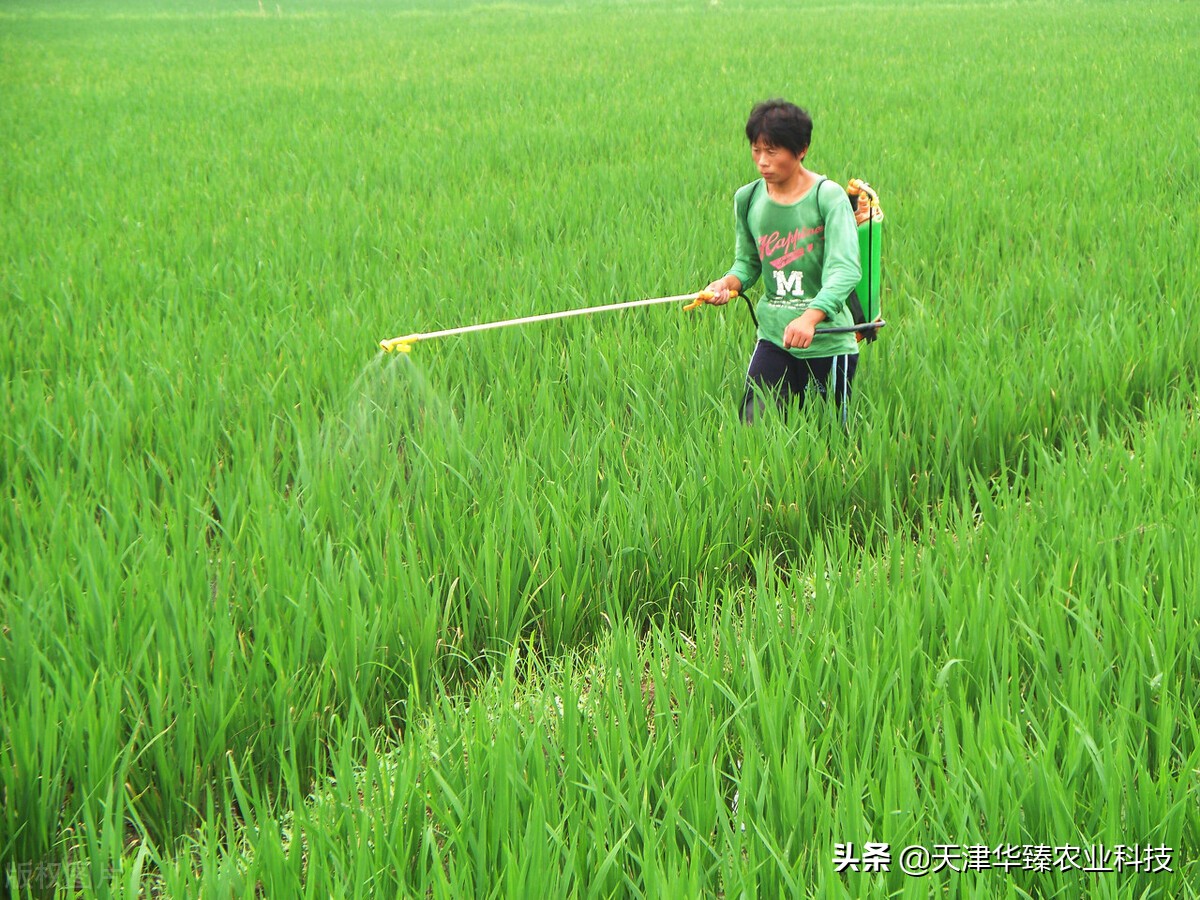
781 124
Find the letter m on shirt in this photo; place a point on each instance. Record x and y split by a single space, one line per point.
790 283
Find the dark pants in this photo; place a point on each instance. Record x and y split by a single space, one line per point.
776 373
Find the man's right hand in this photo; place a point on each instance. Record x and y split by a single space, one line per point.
720 292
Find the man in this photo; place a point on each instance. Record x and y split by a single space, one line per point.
800 227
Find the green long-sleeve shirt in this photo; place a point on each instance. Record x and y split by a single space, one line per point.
811 261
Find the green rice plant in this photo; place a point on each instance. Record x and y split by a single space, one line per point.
241 553
604 773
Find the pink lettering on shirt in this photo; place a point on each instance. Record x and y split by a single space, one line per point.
770 244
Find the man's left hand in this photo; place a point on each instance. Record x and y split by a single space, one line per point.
800 331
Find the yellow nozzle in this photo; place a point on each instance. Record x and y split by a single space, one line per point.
403 344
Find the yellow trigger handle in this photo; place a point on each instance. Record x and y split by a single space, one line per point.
703 297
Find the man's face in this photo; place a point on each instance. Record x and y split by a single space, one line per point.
775 164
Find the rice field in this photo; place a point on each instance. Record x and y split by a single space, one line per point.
528 612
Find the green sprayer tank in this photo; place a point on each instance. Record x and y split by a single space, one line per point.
870 244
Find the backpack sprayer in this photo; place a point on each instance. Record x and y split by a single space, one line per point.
866 321
869 217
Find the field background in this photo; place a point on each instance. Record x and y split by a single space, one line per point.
525 613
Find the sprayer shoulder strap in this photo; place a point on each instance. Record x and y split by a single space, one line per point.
852 301
743 212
